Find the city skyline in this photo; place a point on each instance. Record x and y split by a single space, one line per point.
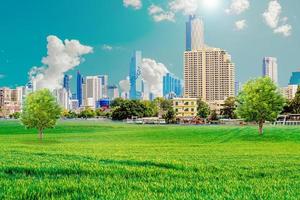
111 41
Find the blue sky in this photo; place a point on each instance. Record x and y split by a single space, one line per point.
25 26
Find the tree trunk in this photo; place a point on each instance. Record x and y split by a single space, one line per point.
41 134
260 127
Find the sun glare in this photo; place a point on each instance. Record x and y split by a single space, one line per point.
210 4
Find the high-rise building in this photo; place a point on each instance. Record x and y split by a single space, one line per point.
270 68
171 86
62 98
113 92
209 74
237 88
104 85
79 89
66 83
295 78
135 74
194 33
93 91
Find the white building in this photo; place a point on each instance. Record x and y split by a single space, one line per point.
113 92
270 68
194 33
62 98
92 91
104 85
289 92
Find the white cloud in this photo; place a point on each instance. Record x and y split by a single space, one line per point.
62 57
107 47
238 6
125 84
240 25
187 7
285 30
136 4
272 17
272 14
159 14
152 73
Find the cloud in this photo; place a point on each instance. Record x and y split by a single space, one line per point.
272 17
152 73
125 85
107 47
285 30
62 57
272 14
158 14
238 6
136 4
187 7
240 25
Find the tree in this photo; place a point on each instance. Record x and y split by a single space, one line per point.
170 116
295 103
40 111
213 116
15 115
203 109
87 113
229 108
260 101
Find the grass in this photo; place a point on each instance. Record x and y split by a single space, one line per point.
92 160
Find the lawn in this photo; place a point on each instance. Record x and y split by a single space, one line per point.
92 160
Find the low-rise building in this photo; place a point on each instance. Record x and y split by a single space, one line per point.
289 92
185 107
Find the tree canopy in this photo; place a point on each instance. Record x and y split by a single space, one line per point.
40 111
203 109
260 101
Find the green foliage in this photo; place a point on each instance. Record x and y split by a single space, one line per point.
15 115
229 108
213 115
260 101
203 109
170 116
93 160
87 113
40 111
295 103
117 102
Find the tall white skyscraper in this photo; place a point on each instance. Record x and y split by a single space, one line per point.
270 68
104 85
194 33
93 91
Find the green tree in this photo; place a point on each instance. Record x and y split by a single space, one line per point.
213 116
295 103
40 111
203 109
170 116
260 101
15 115
229 108
87 113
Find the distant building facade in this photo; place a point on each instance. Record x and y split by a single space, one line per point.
209 74
270 68
185 107
79 88
172 86
295 78
113 92
135 75
194 33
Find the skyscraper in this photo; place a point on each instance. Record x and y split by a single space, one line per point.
113 92
171 86
194 33
209 74
79 88
93 91
270 68
104 85
135 74
66 83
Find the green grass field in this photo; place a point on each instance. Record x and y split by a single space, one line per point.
89 160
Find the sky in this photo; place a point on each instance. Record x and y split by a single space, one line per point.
247 30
